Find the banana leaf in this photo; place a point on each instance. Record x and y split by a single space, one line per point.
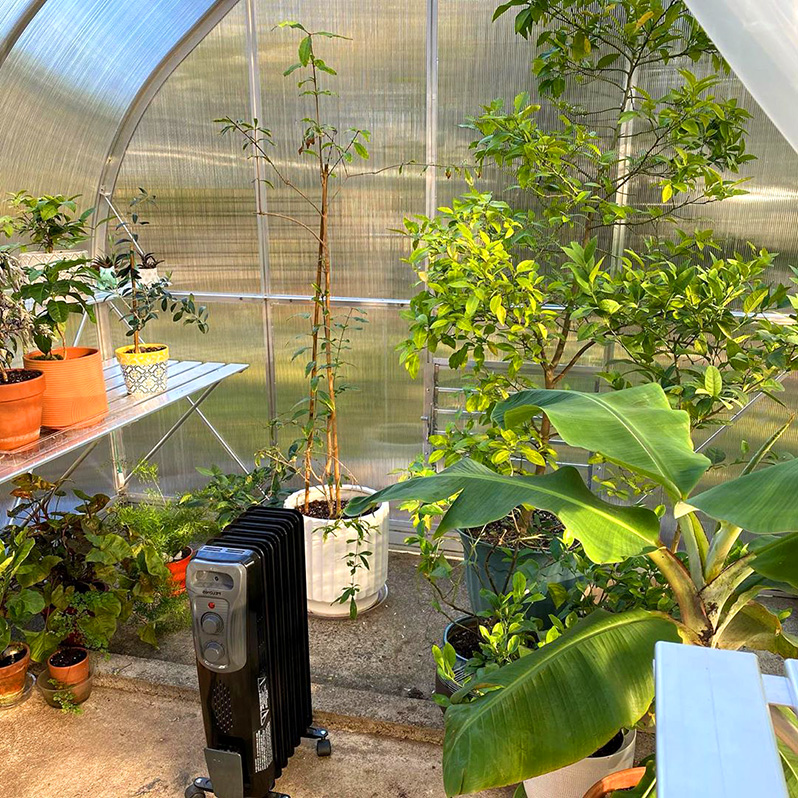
556 705
762 502
634 427
608 532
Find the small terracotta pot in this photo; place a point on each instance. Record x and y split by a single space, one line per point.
178 571
20 411
144 372
70 674
622 780
12 677
74 394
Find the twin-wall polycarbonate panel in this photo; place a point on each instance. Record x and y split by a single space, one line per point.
203 220
68 81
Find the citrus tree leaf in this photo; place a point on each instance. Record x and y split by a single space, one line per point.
557 704
634 427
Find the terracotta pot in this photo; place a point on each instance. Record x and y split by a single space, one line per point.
178 571
622 780
74 392
20 411
12 677
70 674
144 372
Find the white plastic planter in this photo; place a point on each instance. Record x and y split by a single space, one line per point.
325 560
575 780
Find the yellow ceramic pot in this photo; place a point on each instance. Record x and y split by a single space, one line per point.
144 371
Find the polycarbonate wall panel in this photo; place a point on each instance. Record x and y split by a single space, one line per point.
381 87
203 223
380 425
237 408
69 80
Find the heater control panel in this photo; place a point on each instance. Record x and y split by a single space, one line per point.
216 582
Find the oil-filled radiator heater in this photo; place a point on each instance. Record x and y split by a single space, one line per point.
248 604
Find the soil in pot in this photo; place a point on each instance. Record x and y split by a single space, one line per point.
611 747
320 509
69 666
14 662
74 394
21 402
490 562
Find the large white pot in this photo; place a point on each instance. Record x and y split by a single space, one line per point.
575 780
325 560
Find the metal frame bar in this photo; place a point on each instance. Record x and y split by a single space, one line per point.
120 478
24 19
173 429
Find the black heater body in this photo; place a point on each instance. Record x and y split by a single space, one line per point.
248 602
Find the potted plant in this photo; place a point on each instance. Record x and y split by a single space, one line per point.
596 677
170 527
17 606
67 680
21 390
144 366
578 278
59 283
83 574
347 558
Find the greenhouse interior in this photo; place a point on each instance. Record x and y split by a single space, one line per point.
395 399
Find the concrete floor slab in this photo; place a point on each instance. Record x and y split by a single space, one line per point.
137 746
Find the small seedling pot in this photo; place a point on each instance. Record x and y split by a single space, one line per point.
21 408
178 570
74 387
144 371
69 666
622 780
446 686
12 674
56 694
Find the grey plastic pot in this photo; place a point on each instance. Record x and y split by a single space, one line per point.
488 567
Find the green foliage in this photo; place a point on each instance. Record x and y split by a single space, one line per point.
168 526
225 496
715 593
16 321
56 287
49 221
81 574
519 295
332 151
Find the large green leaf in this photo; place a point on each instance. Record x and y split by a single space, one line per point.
789 759
635 427
756 627
778 560
608 532
556 705
761 502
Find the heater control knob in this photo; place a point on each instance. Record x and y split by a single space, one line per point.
211 623
213 653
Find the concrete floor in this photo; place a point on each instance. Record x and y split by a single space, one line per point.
387 650
128 746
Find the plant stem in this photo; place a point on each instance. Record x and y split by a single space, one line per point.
134 302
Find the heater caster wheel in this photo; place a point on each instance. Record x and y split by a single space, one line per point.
323 747
194 792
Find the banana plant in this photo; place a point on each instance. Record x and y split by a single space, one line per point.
562 702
